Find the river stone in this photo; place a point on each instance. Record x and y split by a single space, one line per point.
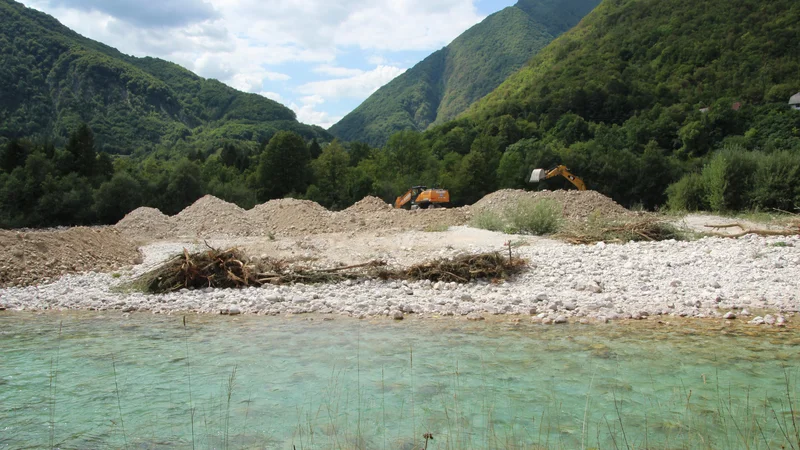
560 319
397 315
473 316
729 315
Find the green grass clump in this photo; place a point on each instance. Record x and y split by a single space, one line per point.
487 220
529 216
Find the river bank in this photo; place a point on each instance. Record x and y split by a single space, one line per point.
714 278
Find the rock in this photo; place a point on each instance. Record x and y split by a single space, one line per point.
541 298
769 319
570 306
466 298
560 319
675 283
397 315
473 316
729 315
744 313
758 320
128 309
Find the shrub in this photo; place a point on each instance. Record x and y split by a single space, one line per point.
487 220
688 194
529 216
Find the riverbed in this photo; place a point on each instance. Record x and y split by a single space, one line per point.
113 380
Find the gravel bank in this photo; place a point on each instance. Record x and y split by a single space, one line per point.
710 278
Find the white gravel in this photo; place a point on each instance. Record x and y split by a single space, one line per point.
709 277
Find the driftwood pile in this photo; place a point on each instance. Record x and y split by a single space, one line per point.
465 268
646 229
232 269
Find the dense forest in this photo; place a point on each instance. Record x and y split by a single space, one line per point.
654 103
52 80
448 81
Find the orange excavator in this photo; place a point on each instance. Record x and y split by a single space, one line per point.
420 197
541 174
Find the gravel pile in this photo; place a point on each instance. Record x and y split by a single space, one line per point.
577 205
146 224
39 256
210 216
368 205
749 279
290 216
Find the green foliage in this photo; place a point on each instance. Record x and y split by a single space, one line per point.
52 80
284 166
737 180
531 216
688 194
332 174
487 220
447 82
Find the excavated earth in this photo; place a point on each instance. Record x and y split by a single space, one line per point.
41 256
712 277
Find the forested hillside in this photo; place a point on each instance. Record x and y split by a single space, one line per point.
52 80
645 92
447 82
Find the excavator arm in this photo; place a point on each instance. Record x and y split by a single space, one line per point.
561 170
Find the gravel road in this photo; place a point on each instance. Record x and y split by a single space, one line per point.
706 278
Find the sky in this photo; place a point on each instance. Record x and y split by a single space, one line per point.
321 58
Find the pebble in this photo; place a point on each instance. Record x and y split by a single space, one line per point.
597 290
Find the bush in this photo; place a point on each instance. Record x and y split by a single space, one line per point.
537 217
688 194
487 220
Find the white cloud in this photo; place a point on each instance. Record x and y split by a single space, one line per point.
272 96
358 86
336 71
239 42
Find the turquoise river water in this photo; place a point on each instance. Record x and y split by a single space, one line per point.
91 380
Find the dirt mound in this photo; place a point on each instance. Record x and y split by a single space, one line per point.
368 204
577 205
289 216
145 224
38 256
211 216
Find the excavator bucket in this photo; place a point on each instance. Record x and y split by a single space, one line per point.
538 175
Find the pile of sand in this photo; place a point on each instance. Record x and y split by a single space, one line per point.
146 224
39 256
577 205
211 216
289 216
368 205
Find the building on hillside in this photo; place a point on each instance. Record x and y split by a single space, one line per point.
794 102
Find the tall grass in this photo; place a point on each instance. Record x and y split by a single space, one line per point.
537 217
526 216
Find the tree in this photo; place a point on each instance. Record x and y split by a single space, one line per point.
314 150
81 148
284 166
331 172
13 156
117 197
184 187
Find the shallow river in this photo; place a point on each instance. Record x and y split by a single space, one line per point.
90 380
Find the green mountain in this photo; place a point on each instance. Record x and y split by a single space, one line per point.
52 79
628 56
445 83
651 102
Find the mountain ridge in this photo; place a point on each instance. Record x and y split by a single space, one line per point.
446 82
52 79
